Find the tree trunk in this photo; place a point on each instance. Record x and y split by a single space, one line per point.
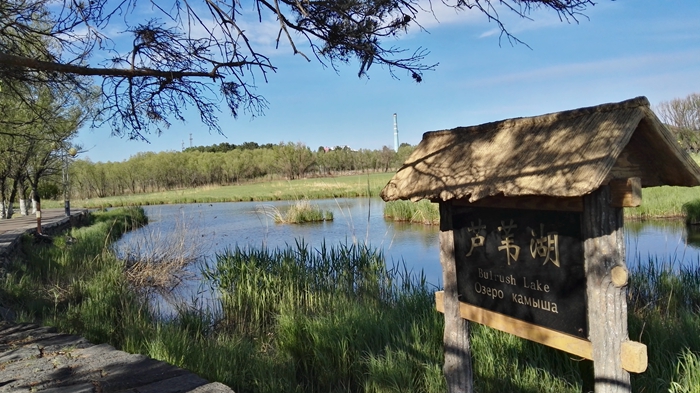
11 201
458 362
604 249
3 211
10 210
23 205
37 202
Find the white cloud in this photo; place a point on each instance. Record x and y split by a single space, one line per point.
650 63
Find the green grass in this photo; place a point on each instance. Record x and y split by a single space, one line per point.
663 202
76 283
346 323
332 319
318 188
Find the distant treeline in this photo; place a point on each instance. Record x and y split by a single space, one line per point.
226 147
222 164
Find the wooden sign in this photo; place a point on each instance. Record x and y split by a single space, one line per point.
525 264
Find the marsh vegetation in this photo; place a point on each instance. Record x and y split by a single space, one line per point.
297 212
326 319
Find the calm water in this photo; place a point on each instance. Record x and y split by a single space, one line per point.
215 227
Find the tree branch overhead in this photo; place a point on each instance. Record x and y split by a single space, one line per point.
178 56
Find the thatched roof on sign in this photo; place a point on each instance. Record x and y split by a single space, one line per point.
565 154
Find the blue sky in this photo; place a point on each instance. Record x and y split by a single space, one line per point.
624 49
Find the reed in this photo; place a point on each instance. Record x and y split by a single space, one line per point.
300 212
338 314
422 212
665 315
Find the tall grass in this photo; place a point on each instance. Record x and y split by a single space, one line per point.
298 213
347 323
423 212
664 303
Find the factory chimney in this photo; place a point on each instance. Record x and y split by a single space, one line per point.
396 134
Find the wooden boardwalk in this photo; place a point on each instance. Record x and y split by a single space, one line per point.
39 359
52 220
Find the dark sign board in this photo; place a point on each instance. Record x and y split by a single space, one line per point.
527 264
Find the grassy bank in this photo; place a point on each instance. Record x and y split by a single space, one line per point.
318 188
663 202
657 202
332 319
76 283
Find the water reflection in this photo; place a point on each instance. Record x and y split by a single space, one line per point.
662 242
215 227
692 237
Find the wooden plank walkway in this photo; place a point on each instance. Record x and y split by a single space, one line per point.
52 220
39 359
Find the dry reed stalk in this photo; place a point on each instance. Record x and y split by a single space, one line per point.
157 262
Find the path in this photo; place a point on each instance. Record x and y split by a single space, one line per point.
52 220
37 359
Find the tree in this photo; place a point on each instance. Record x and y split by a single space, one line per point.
386 156
187 53
294 160
36 123
683 117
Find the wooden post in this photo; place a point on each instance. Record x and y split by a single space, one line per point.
458 361
604 251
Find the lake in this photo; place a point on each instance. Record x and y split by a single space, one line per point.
215 227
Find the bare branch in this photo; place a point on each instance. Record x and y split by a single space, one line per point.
196 53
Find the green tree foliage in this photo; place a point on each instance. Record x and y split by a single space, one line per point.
294 160
158 59
225 147
152 172
36 127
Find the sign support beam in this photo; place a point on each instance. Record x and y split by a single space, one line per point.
604 251
458 361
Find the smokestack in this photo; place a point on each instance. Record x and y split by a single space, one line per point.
396 134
